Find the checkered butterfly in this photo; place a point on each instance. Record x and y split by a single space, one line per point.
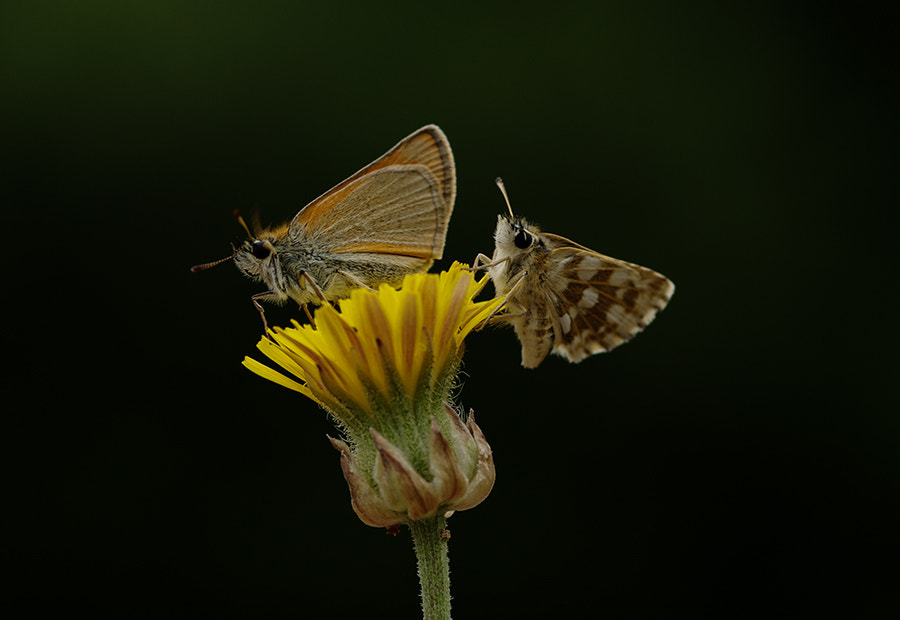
565 298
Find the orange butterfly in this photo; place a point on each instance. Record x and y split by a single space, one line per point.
384 222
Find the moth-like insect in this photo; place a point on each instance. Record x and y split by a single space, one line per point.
388 220
562 297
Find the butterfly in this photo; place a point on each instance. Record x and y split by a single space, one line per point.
388 220
564 298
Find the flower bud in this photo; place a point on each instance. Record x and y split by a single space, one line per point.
460 465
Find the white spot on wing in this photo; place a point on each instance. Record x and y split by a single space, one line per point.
588 298
619 277
588 268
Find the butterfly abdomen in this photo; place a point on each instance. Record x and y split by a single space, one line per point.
536 333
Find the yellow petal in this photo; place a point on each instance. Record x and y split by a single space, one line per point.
272 375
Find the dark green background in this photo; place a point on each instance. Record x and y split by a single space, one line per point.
740 458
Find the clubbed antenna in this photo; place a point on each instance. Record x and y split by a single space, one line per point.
502 187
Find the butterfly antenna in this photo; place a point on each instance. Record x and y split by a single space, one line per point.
206 266
502 187
243 224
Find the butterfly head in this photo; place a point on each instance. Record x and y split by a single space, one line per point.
258 259
254 256
514 236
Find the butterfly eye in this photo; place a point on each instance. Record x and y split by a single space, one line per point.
523 239
260 250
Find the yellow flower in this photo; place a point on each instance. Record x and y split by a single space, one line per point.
383 365
414 333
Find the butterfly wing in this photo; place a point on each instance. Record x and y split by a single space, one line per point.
427 147
605 301
400 204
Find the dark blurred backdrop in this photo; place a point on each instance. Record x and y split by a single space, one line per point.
740 458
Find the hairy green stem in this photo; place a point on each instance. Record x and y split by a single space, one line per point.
430 545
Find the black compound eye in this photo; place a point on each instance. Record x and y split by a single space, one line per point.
260 250
523 239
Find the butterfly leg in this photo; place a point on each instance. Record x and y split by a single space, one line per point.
311 283
317 291
262 312
312 320
493 317
517 281
355 281
483 261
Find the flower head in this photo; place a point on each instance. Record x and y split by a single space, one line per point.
383 365
462 475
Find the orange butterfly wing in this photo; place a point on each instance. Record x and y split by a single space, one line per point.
399 204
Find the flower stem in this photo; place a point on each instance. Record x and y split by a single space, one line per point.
430 545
